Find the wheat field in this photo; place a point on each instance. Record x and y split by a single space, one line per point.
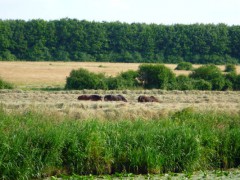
43 74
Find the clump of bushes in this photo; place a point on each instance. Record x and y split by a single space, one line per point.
156 76
184 66
125 80
210 73
201 84
230 68
184 83
207 77
5 85
83 79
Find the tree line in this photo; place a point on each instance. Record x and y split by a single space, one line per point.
81 40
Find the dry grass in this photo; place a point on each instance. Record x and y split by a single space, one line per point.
64 103
54 73
42 74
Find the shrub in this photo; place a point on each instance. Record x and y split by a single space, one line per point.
116 83
201 84
184 66
218 83
236 85
230 68
230 81
228 85
5 85
184 83
210 73
125 80
130 78
7 55
83 79
156 76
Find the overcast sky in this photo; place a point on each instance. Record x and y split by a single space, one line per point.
142 11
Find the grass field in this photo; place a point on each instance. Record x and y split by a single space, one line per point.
50 133
53 74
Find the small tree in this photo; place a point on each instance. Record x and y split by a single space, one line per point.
210 73
184 66
184 83
130 78
236 86
230 68
125 80
201 84
156 76
83 79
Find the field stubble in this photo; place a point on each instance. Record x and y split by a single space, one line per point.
65 103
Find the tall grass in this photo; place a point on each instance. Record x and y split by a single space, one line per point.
5 84
34 145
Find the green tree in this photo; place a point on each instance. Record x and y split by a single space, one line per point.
156 76
184 66
210 73
184 83
83 79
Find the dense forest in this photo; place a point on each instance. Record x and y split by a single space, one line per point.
75 40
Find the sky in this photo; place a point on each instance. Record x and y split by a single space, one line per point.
130 11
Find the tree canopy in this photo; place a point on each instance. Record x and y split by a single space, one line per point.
80 40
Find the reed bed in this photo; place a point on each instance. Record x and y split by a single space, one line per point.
39 145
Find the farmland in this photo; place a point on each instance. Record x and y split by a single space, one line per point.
53 74
47 133
37 75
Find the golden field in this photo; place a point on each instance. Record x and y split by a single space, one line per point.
41 74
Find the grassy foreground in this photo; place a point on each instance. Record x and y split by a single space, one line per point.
34 145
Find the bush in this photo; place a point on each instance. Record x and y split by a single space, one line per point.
210 73
230 68
184 66
7 55
228 85
236 85
201 84
83 79
184 83
125 80
117 83
232 80
130 78
5 85
156 76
